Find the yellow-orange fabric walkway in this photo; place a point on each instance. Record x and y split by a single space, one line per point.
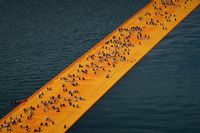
56 106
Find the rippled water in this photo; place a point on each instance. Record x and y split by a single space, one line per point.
160 94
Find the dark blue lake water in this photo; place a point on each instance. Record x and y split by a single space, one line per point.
161 93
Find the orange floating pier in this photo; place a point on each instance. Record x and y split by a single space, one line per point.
56 106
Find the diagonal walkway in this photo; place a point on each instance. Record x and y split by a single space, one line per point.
87 79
